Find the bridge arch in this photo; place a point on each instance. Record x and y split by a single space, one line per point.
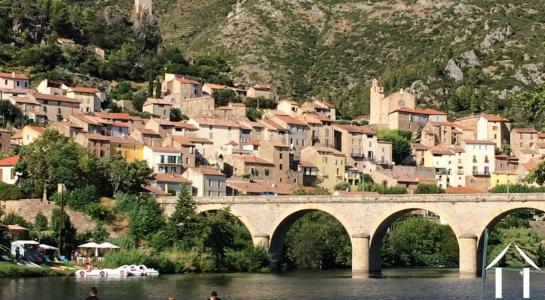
283 223
240 216
494 218
380 226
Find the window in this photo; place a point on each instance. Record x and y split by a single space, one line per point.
267 172
209 183
26 84
58 110
280 167
17 83
188 161
280 155
191 150
162 159
219 184
324 159
303 143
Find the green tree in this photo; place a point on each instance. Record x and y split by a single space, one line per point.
425 188
183 223
128 177
401 147
253 114
49 160
176 115
15 219
529 106
145 218
40 222
157 88
10 114
317 241
223 97
414 241
68 231
537 174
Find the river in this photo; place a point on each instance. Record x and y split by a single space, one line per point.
394 284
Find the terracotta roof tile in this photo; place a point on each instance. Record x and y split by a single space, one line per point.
84 90
9 161
13 75
163 177
209 171
524 130
252 159
216 122
481 142
356 129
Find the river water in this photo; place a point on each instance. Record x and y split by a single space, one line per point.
394 284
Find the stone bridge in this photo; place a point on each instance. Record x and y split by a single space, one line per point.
367 219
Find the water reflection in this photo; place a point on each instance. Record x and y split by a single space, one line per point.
393 284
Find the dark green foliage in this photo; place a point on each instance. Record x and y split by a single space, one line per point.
401 147
517 188
157 88
382 189
317 241
315 191
223 97
414 241
12 219
99 234
79 198
49 160
425 188
528 106
253 114
98 211
145 218
68 231
10 114
10 192
40 222
183 222
515 228
260 103
342 186
128 177
537 174
176 115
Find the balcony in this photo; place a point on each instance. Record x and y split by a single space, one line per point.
481 173
357 154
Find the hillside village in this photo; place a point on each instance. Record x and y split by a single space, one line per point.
219 151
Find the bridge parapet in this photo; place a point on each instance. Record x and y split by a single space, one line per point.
415 198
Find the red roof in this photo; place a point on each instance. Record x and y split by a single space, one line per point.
272 124
185 80
182 140
59 98
441 150
164 149
9 161
216 122
524 130
209 171
356 129
306 164
232 143
494 118
13 75
84 90
479 142
148 131
36 128
290 120
163 177
426 111
252 159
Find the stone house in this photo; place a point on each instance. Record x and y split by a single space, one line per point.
88 97
274 131
480 163
132 121
5 138
193 107
220 131
165 127
158 107
248 166
287 107
449 163
96 144
437 133
56 107
493 128
66 128
260 91
279 155
381 106
125 105
147 136
14 80
171 183
232 111
7 93
414 119
29 133
523 138
257 130
127 147
7 169
298 132
185 147
180 87
206 181
51 87
164 159
330 164
319 107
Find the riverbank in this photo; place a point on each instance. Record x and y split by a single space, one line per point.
12 270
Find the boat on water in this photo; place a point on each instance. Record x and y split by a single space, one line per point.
123 271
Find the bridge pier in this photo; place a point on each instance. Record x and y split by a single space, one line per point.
261 240
360 253
468 255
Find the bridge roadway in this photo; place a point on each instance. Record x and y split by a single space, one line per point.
367 218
